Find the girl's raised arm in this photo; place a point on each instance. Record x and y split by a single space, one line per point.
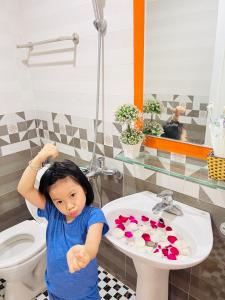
26 184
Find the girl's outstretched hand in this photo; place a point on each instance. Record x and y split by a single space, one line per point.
77 258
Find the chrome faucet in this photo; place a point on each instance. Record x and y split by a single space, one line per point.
99 168
167 204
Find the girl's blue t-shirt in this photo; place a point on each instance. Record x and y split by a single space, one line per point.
60 237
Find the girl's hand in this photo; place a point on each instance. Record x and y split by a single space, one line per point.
77 258
49 150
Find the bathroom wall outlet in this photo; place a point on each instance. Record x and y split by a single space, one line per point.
222 228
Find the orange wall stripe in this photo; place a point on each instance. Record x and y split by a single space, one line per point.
138 20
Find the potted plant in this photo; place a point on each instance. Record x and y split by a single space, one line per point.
152 127
152 107
131 138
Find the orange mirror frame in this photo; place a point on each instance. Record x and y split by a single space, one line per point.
196 151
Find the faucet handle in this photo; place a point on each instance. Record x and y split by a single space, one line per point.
165 193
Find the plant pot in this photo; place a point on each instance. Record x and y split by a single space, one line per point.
131 151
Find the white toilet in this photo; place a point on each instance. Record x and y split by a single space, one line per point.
23 255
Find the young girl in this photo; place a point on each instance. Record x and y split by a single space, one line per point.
74 227
174 129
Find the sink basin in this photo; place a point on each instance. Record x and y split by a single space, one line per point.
193 227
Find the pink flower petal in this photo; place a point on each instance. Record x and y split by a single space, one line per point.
159 246
144 218
160 225
171 257
131 217
123 219
156 250
121 226
146 237
128 234
153 224
172 239
165 251
174 251
134 221
168 228
118 221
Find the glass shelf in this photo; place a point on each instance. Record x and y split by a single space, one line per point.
191 170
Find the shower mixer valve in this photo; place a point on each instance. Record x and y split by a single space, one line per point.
99 168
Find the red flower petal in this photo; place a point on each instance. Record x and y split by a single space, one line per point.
172 239
165 251
131 217
118 221
160 225
171 257
134 221
123 219
153 224
144 218
156 250
121 226
146 237
168 228
128 234
174 251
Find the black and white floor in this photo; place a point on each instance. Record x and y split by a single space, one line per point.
110 288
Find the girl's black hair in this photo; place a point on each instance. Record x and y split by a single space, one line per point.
60 170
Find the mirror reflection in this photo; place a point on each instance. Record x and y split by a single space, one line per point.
179 53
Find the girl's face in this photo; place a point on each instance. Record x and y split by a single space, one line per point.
68 196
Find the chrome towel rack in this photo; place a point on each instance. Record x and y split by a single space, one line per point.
30 46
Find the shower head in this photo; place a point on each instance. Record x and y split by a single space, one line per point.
98 6
99 22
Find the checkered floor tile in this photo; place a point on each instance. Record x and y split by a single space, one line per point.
110 288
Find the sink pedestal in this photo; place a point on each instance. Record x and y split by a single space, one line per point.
152 283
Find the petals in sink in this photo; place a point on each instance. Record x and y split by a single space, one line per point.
172 239
174 250
138 231
153 224
171 257
160 225
165 251
134 221
118 221
144 218
146 237
120 226
123 219
168 228
128 234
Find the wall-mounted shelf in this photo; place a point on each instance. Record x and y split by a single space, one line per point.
191 170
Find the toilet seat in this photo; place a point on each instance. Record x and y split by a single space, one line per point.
30 231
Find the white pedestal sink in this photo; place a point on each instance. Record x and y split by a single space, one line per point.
153 271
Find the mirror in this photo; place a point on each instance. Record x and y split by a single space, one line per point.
179 43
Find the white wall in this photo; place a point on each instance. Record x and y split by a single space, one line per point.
179 46
15 87
73 90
